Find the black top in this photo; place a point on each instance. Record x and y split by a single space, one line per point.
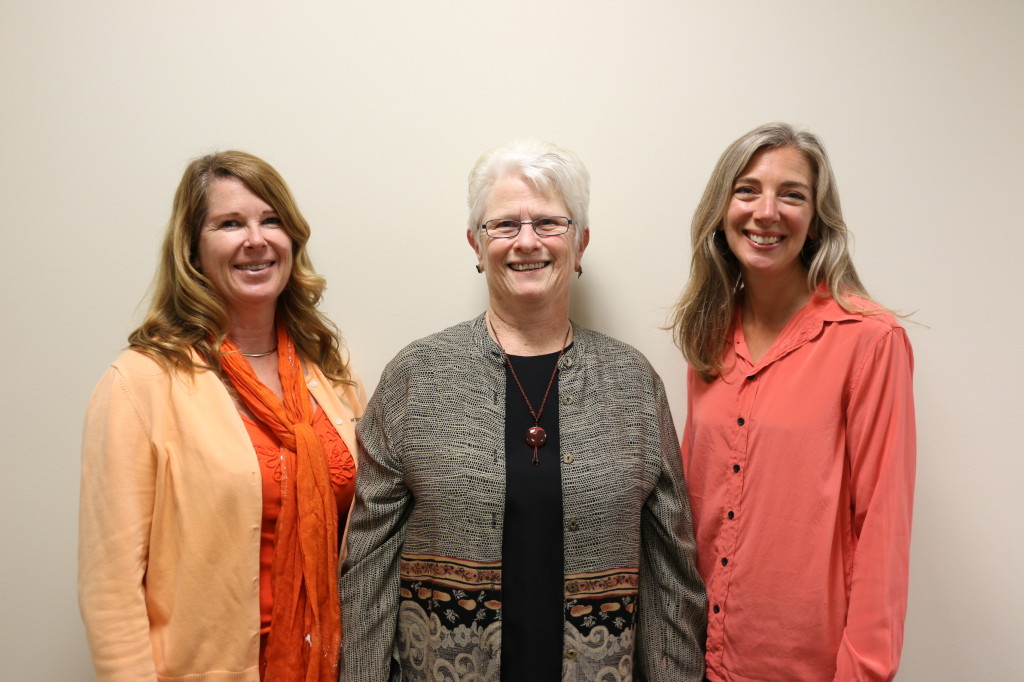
532 575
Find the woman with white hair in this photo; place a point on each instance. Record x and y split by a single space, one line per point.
799 445
521 512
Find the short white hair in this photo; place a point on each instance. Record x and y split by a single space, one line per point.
545 167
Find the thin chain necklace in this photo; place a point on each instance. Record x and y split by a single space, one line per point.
259 355
535 435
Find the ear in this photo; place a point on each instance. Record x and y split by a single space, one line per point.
471 238
584 241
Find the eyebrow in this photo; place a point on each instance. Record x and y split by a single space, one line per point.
229 214
785 183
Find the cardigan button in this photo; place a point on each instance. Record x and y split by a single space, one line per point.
572 587
572 524
571 654
568 458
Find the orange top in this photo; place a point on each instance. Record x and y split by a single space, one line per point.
268 450
800 470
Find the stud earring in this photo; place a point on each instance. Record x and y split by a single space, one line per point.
579 272
478 268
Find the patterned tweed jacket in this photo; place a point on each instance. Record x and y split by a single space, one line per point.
421 587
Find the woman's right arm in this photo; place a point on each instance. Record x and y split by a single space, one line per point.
116 509
371 573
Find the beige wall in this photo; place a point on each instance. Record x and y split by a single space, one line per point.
375 111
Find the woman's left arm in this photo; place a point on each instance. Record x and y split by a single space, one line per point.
881 448
672 604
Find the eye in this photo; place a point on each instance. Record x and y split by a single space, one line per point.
545 222
744 191
273 221
505 224
228 224
794 195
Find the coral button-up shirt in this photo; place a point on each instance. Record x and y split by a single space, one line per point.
800 470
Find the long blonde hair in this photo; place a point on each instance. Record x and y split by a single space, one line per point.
703 315
186 313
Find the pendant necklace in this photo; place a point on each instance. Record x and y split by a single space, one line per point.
535 435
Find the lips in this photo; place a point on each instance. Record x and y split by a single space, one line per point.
764 239
524 267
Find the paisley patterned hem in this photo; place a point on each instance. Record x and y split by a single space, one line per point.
449 625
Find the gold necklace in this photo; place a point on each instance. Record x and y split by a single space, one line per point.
259 355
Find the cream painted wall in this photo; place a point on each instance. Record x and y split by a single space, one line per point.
375 111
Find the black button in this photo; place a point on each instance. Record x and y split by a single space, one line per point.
736 468
751 377
725 562
715 608
740 421
732 515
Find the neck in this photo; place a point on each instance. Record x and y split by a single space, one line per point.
538 334
253 334
771 302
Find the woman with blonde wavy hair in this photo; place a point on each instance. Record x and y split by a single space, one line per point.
218 466
799 444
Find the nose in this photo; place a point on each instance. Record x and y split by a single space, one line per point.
254 238
767 210
527 239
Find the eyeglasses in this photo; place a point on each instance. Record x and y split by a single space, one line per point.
548 226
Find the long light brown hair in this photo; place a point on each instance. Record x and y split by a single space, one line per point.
187 314
703 315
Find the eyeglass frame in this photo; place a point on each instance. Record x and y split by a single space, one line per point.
569 223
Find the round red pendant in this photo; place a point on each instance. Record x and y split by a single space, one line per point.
536 436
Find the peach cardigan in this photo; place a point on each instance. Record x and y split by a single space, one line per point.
169 526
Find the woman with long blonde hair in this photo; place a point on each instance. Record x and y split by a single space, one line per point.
218 465
799 443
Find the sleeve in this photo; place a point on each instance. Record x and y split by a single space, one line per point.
371 572
672 601
115 516
686 445
881 447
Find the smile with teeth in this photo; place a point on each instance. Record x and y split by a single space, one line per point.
254 267
520 267
763 239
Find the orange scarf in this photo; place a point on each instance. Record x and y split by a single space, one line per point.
305 625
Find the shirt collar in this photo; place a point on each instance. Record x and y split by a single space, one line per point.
806 325
490 350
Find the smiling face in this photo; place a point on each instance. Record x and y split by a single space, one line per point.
527 271
243 248
770 213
